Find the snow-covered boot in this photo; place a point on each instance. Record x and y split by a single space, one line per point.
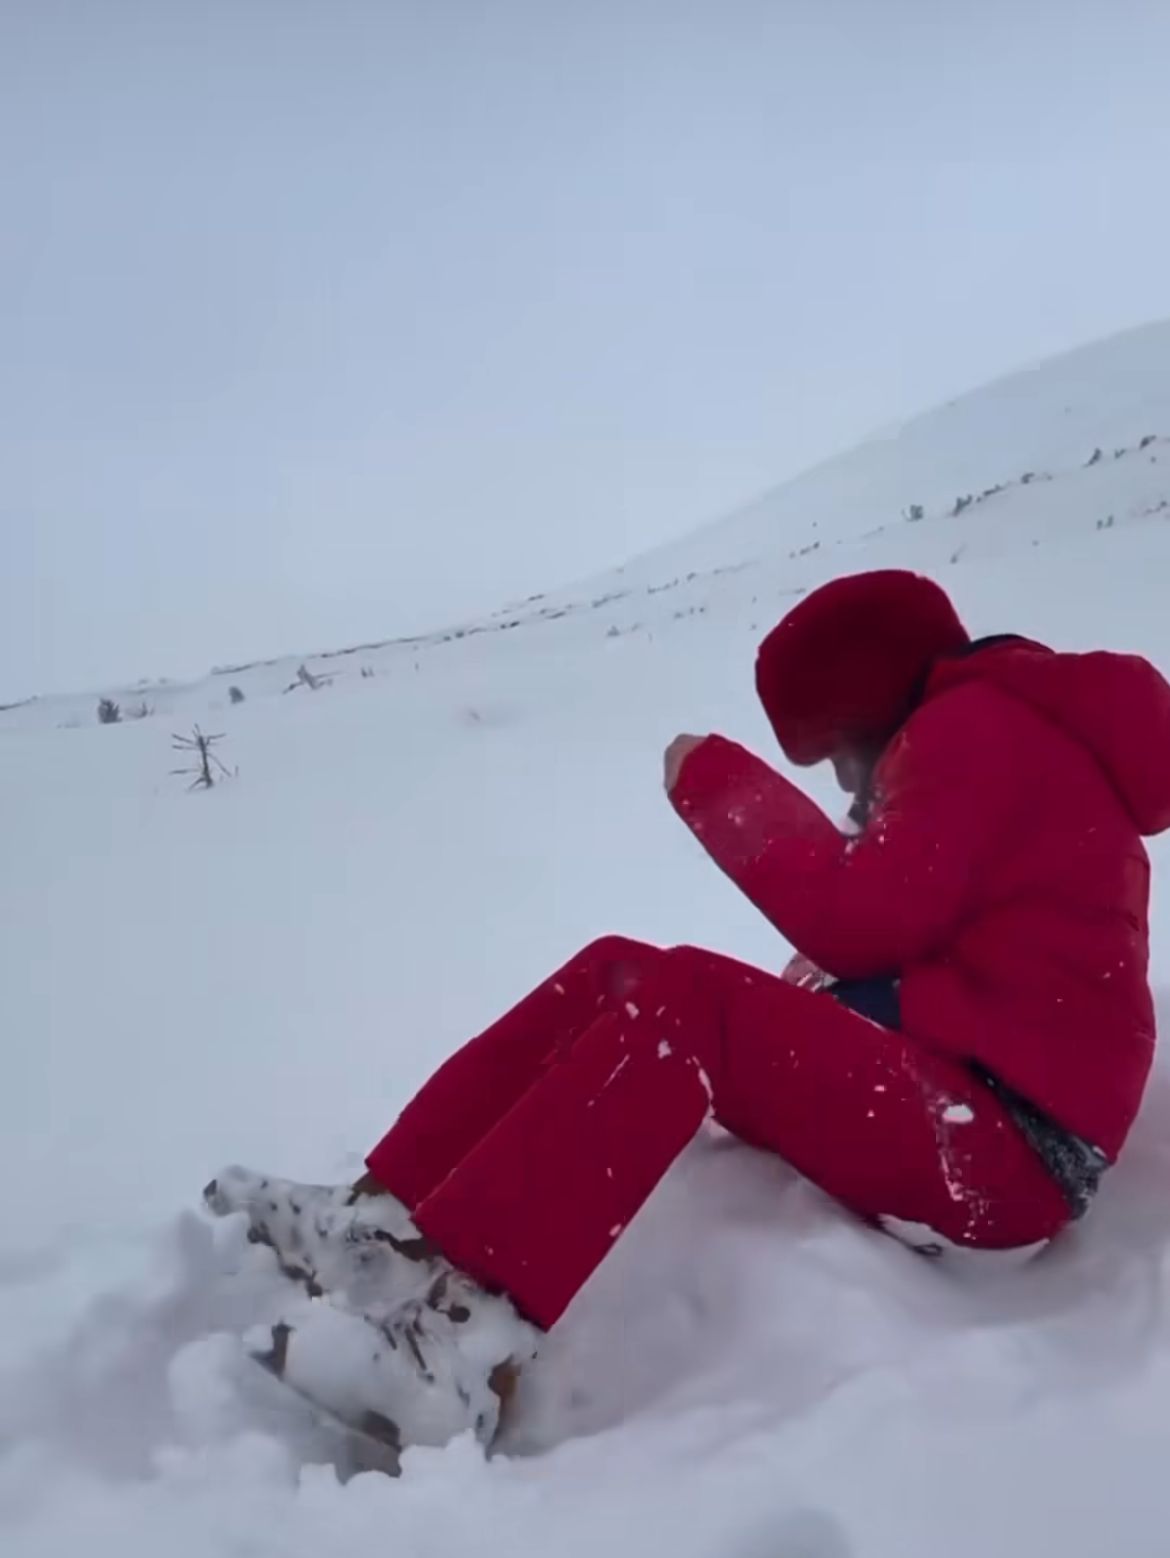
332 1239
442 1365
387 1338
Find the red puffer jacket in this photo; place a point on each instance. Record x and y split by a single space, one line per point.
1001 876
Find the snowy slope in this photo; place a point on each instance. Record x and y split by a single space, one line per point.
267 971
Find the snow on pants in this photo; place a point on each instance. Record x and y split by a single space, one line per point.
528 1152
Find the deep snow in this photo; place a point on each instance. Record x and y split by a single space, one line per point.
267 971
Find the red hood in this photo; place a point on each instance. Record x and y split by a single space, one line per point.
1116 706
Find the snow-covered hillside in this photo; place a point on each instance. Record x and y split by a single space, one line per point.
266 972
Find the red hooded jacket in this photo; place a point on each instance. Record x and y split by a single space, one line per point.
1001 876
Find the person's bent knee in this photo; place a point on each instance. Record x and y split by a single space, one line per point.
618 949
617 965
690 960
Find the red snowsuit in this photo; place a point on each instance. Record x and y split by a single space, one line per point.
1001 879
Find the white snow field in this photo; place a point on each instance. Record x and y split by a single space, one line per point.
265 972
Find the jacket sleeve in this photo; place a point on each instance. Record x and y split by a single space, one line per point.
870 905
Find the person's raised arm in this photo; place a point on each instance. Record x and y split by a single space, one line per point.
858 907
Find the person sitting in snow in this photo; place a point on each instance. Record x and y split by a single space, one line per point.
957 1053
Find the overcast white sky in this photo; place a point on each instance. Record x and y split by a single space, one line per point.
323 320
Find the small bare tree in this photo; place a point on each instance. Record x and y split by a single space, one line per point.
205 764
309 679
108 712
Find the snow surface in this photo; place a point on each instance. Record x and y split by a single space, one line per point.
267 971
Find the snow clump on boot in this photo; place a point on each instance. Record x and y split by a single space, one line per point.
442 1366
363 1249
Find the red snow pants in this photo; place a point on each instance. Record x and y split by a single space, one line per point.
531 1149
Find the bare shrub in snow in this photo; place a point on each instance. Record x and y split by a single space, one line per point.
306 678
108 712
205 764
236 694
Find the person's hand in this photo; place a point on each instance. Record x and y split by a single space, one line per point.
676 755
